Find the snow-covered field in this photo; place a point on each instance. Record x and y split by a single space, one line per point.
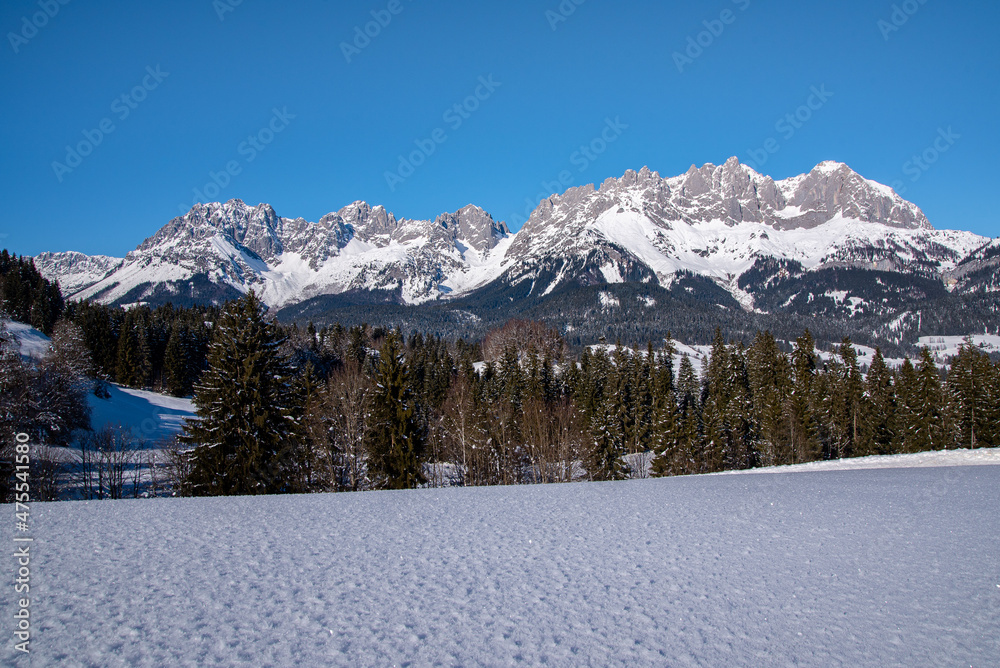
889 567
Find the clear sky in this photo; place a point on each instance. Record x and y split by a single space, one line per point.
290 103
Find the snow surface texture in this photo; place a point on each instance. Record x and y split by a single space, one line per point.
891 567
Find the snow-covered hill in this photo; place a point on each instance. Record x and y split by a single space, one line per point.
890 567
714 221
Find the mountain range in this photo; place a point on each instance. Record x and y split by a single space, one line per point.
829 243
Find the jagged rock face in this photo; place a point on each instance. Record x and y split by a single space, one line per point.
832 188
718 220
75 271
712 221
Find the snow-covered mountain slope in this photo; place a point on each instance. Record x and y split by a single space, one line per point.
713 221
718 221
75 271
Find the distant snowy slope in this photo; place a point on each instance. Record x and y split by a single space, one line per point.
151 416
979 457
33 344
891 567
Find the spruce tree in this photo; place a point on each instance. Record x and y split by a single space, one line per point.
908 408
879 416
666 429
247 407
689 414
930 400
802 419
972 396
175 364
771 387
715 386
133 367
395 443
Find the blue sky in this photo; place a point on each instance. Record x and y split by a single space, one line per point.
285 103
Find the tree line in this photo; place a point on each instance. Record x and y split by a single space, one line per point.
392 412
290 409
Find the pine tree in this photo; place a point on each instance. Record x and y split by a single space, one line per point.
802 419
247 409
666 428
689 427
740 428
771 387
844 412
972 396
133 367
715 385
175 364
395 443
930 402
879 433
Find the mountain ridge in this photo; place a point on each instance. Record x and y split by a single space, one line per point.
716 221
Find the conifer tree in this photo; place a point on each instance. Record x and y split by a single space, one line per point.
740 429
665 430
930 400
133 367
803 428
175 364
395 442
972 393
844 409
247 407
880 422
908 408
771 386
689 426
714 405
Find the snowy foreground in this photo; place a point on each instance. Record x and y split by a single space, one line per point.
889 567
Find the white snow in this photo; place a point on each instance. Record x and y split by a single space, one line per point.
32 343
849 568
608 300
611 273
945 347
965 457
151 416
